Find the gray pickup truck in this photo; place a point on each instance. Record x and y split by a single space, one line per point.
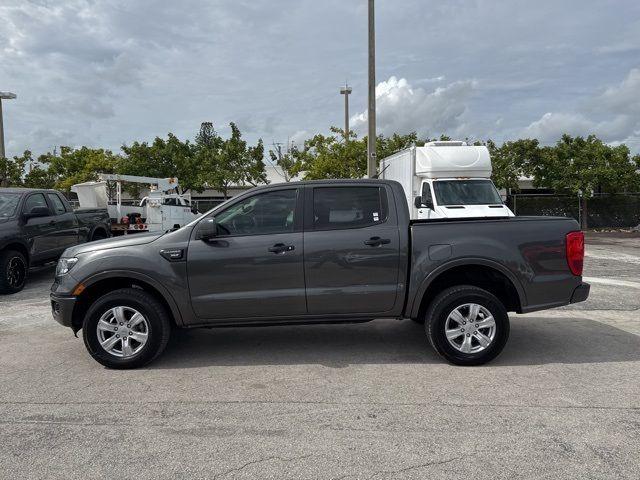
319 252
36 226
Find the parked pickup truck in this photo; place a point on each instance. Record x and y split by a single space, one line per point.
319 252
36 226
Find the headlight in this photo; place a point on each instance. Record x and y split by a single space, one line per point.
64 265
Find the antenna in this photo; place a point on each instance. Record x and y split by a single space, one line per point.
377 175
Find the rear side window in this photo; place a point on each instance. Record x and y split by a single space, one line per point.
348 207
35 200
58 206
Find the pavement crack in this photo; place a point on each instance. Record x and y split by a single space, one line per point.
414 467
254 462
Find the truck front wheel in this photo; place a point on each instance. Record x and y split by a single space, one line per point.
467 325
13 271
126 328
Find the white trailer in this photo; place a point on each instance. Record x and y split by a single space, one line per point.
446 180
158 211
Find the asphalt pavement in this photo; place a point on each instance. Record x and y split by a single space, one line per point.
365 401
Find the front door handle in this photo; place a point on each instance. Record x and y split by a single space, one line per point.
377 241
281 248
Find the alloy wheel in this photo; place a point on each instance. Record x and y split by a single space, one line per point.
16 272
470 328
122 331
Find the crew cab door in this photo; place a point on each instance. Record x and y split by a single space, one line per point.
253 267
41 231
352 250
65 222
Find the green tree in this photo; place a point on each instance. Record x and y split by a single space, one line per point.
386 146
329 156
38 177
77 165
228 162
12 170
288 162
513 160
578 165
163 159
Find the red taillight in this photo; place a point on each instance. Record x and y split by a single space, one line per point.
575 252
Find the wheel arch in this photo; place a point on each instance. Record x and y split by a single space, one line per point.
105 282
98 228
18 246
478 272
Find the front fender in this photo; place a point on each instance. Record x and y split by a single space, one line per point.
107 274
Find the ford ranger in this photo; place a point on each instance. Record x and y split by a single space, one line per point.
330 251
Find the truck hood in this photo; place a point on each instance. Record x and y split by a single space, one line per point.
109 243
475 211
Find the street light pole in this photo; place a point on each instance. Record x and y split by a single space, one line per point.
371 140
3 96
346 91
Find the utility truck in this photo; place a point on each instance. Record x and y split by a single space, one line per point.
446 179
159 211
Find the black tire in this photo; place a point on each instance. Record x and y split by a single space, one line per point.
445 303
14 270
158 327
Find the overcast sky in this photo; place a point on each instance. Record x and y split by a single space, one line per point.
106 73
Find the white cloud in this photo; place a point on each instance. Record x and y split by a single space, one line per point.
623 98
552 125
103 73
401 108
614 116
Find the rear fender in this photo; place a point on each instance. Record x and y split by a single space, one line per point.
413 308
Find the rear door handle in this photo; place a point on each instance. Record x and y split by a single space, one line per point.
377 241
281 248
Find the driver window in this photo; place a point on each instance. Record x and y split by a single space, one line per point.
35 200
271 212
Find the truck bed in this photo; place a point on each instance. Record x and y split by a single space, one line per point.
528 251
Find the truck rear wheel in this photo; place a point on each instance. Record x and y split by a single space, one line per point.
13 271
126 328
467 325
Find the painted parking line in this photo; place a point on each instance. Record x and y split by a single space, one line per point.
611 281
619 257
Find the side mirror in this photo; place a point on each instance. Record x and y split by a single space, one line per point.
39 211
428 203
419 202
207 229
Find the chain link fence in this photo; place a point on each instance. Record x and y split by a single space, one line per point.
602 210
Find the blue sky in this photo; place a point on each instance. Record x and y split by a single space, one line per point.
111 72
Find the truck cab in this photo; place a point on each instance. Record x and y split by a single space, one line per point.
458 198
446 179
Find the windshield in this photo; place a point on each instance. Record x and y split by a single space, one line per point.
8 204
466 192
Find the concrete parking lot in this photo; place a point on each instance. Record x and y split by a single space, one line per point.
369 401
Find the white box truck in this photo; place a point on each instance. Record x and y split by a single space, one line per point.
446 179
